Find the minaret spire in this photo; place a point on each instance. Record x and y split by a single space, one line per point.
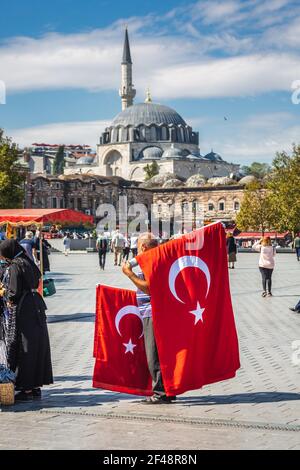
127 92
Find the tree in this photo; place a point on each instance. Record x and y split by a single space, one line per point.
284 184
12 178
59 161
257 169
256 211
151 169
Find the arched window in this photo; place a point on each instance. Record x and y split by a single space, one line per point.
153 136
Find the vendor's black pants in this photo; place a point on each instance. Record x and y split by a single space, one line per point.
152 358
266 275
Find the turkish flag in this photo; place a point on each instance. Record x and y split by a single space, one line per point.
192 311
119 349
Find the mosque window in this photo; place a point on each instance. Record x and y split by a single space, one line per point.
236 205
153 136
221 205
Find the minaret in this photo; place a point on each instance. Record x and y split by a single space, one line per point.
127 92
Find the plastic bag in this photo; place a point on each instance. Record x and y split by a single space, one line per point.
6 375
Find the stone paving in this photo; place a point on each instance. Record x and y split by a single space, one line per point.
259 409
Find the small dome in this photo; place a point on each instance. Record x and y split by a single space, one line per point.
151 153
158 180
195 180
247 179
194 156
172 183
172 153
213 157
220 180
85 161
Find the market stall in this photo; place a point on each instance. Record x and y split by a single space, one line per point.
13 219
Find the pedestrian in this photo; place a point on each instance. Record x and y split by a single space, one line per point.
126 249
101 246
296 309
45 250
29 245
231 250
266 263
25 330
296 245
133 244
147 241
118 243
67 244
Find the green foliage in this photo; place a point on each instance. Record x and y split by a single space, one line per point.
284 185
12 177
259 170
257 211
151 170
59 161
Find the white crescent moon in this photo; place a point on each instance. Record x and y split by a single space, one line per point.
128 310
187 262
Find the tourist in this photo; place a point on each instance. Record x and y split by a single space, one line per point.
26 334
133 244
147 241
296 309
296 245
231 250
29 245
67 244
45 250
126 249
101 246
266 263
117 245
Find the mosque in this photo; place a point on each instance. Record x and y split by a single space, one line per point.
147 132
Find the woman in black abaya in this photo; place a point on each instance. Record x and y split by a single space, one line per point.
26 333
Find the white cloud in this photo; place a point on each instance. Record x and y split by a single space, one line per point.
173 65
237 76
81 132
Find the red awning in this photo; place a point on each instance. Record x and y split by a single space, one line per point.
251 235
42 216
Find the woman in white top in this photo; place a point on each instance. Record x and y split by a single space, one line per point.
266 263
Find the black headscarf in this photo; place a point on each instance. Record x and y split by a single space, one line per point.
10 249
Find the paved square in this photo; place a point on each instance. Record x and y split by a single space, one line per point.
260 408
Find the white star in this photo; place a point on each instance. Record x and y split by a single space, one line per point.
198 312
129 347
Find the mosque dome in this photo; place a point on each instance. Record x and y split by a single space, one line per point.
213 157
85 161
147 114
151 153
173 153
247 180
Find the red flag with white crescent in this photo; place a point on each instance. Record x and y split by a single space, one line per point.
192 311
119 349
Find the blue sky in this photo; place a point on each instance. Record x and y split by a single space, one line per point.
60 63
